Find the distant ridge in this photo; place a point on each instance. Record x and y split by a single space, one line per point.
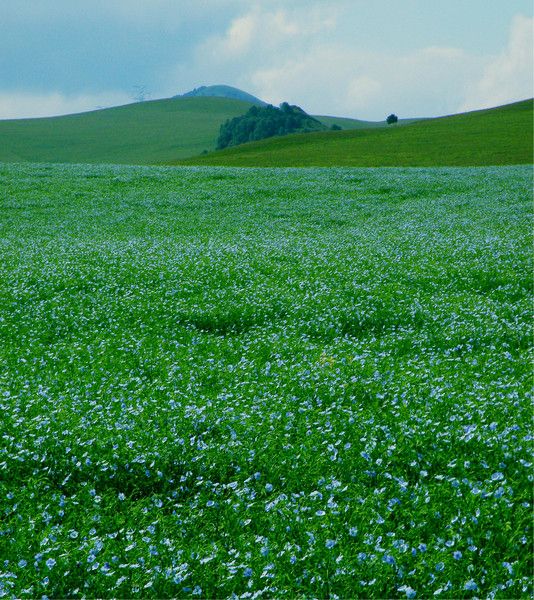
222 91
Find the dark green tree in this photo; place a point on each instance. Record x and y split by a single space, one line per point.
392 118
259 123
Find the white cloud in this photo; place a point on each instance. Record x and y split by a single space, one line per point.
339 79
362 91
238 38
258 39
19 105
261 34
509 76
295 55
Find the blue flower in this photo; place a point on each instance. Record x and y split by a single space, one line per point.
470 585
330 544
247 572
50 563
457 555
409 591
508 567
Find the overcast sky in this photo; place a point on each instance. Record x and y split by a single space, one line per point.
357 58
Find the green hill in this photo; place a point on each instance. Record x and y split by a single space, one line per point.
176 129
347 123
222 91
151 132
141 133
496 136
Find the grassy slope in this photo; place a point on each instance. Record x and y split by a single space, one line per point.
142 133
496 136
346 123
147 132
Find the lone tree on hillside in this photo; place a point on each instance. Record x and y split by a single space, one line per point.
391 119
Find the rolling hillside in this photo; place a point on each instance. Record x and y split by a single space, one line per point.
496 136
347 123
178 130
141 133
151 132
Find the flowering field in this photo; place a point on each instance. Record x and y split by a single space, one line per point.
289 383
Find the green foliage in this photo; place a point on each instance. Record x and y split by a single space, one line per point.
282 383
264 122
499 136
392 118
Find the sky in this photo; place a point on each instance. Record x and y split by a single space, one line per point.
354 58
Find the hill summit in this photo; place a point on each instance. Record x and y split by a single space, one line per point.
222 91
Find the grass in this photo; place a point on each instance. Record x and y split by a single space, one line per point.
498 136
143 133
288 383
350 124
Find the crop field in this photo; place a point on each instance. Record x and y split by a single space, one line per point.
250 383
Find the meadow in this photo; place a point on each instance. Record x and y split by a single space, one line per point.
221 382
149 132
494 136
138 133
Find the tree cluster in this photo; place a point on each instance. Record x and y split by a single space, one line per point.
262 122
